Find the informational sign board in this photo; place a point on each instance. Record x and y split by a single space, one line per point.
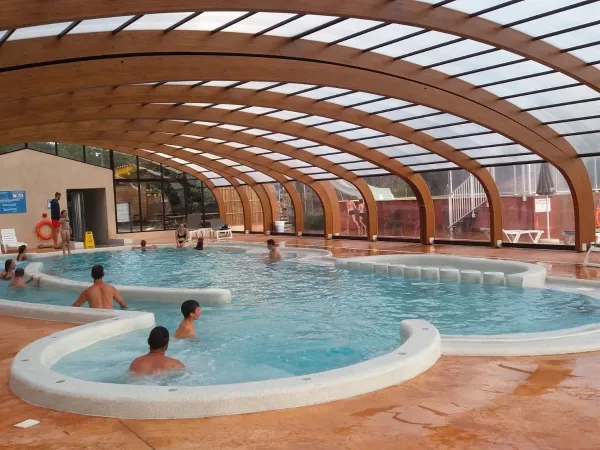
48 200
542 205
13 202
123 212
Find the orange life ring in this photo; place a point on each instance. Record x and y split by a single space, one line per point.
597 215
38 230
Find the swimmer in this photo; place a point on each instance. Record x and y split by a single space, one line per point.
9 270
182 235
18 279
143 247
155 360
200 244
274 252
100 295
191 311
22 256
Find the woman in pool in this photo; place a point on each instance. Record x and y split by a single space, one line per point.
65 232
22 256
181 235
9 270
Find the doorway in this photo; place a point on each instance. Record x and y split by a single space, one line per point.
87 212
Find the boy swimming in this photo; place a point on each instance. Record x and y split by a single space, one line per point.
274 252
191 311
155 360
143 247
18 279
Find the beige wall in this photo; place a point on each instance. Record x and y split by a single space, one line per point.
42 175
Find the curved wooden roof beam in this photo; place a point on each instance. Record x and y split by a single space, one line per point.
27 52
25 83
35 110
20 13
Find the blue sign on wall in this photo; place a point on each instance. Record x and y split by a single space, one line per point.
13 202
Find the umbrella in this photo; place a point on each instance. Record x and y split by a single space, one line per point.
546 187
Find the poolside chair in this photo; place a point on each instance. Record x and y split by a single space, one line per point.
220 234
9 239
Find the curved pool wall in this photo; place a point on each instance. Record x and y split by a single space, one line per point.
450 268
33 380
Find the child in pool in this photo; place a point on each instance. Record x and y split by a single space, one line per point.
19 282
191 311
9 270
143 247
274 252
65 232
22 256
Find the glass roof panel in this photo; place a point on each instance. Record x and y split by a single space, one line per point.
52 29
321 150
226 106
211 175
561 21
211 20
254 85
334 127
531 84
430 167
257 110
447 52
276 156
589 54
260 177
456 130
505 73
258 22
220 83
98 25
383 140
185 83
323 92
359 165
286 115
191 150
363 133
180 161
354 98
209 156
213 140
420 159
234 144
469 6
432 121
196 167
280 137
220 182
256 150
157 21
567 111
299 143
256 132
231 127
577 126
228 162
416 43
496 151
407 113
341 30
243 169
510 160
312 120
309 170
295 163
404 150
523 10
556 96
365 173
382 105
300 25
486 139
324 176
585 143
341 158
380 36
291 88
478 62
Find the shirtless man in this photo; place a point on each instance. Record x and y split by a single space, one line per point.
274 252
100 295
18 279
155 360
191 311
9 270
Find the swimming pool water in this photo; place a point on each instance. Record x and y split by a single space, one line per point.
292 318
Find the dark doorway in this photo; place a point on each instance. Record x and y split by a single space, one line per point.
87 212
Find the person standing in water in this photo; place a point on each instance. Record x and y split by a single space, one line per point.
155 361
100 295
18 279
65 232
181 235
55 217
9 270
274 252
191 311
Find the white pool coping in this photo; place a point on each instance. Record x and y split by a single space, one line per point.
33 379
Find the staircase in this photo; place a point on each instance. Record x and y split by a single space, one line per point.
464 200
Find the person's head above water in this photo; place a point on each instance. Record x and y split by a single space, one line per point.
20 272
271 244
9 265
158 339
143 243
191 308
22 249
97 272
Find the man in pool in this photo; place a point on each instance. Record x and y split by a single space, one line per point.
143 247
155 361
18 279
100 295
191 311
274 252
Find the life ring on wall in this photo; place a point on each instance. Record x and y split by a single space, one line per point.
597 216
38 229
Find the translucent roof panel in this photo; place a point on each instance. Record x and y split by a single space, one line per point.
380 36
52 29
341 30
210 20
157 21
300 25
258 22
99 25
220 182
260 177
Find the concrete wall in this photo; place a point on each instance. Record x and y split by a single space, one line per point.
42 175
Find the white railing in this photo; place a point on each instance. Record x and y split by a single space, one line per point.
465 199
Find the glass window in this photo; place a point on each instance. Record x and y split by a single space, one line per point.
125 166
97 156
149 169
175 208
46 147
128 206
314 219
71 151
152 214
285 209
234 213
255 209
11 148
171 172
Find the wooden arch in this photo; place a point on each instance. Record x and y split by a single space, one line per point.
121 71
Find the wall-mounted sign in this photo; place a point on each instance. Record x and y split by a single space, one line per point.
13 202
542 205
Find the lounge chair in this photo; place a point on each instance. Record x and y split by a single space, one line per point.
220 234
9 239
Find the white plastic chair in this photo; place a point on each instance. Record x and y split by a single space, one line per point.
220 234
9 239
